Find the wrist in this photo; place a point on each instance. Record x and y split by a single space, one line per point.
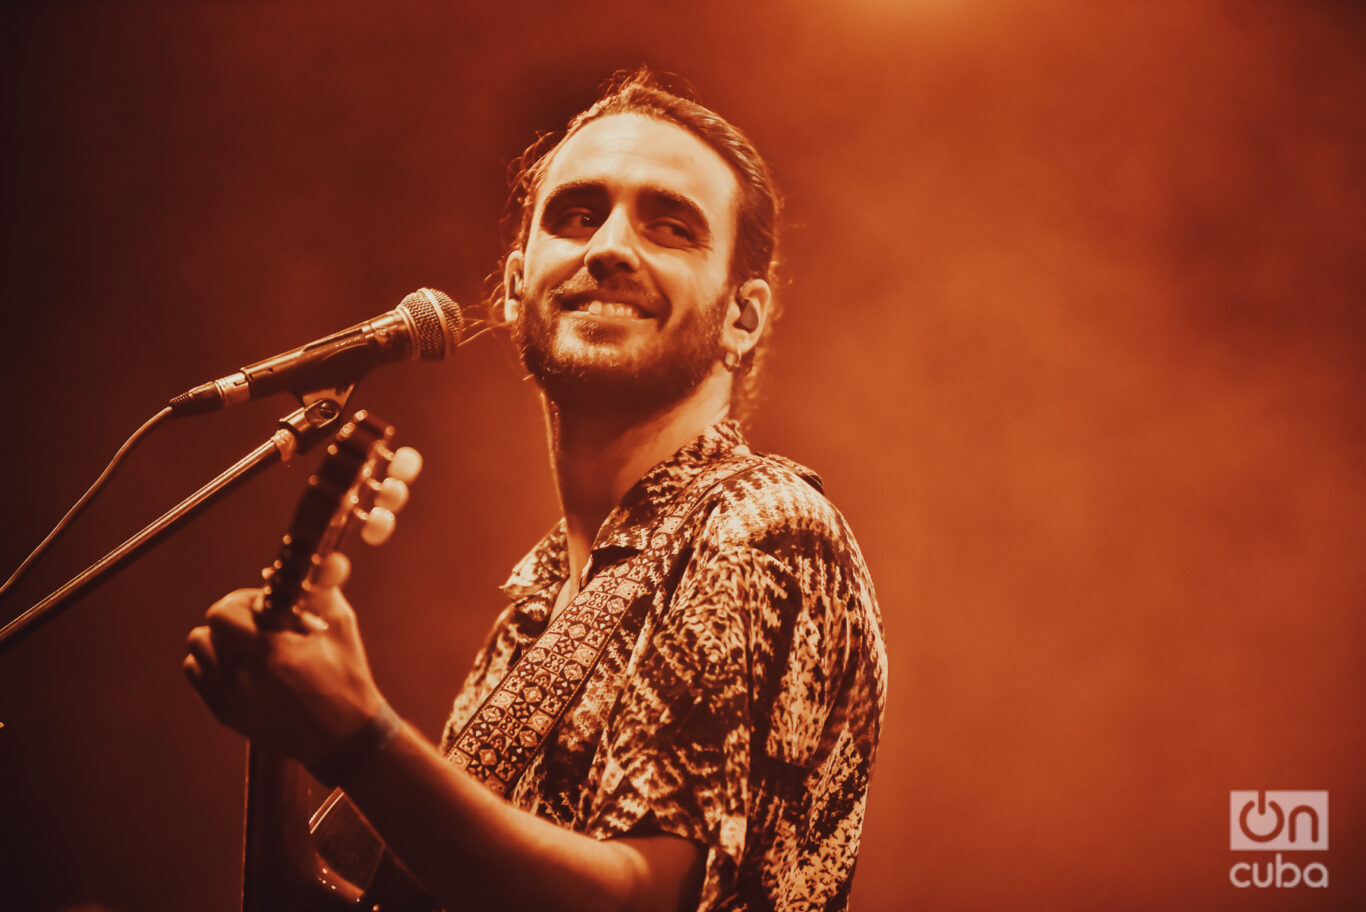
340 765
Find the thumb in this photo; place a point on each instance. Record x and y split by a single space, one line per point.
324 603
333 572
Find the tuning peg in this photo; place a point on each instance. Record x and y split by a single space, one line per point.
391 495
406 464
377 526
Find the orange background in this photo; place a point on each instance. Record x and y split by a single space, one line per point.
1074 332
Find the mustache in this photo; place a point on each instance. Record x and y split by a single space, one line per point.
616 287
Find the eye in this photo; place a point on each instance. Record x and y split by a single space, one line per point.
573 221
672 232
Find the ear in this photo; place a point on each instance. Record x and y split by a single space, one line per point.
747 317
513 286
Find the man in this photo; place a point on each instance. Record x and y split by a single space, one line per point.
719 703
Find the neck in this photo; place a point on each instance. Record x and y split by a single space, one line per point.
599 454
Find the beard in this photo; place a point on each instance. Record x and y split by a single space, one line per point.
592 374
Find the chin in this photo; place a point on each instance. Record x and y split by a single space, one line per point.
608 366
598 381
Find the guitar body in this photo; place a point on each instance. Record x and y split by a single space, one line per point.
306 855
282 871
296 858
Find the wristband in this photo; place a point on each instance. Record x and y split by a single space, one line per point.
349 757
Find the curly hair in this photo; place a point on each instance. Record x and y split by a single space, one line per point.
755 255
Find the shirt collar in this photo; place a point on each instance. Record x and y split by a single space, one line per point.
629 524
545 565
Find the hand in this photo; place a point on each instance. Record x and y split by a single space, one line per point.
299 691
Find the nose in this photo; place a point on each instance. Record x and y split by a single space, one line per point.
613 246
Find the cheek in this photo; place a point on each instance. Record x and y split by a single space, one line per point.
690 288
549 261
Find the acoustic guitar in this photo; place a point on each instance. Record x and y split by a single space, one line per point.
296 858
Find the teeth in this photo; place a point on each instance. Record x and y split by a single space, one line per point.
613 309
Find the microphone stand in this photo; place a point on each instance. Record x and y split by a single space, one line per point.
299 432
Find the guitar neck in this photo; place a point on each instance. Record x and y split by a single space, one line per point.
281 868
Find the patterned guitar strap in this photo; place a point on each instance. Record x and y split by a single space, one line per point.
510 728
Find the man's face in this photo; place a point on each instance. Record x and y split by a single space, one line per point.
625 272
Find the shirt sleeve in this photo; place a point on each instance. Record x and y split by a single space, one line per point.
738 677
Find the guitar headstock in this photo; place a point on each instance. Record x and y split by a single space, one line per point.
362 482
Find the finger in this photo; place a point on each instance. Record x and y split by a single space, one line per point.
199 647
308 621
208 685
333 572
233 630
247 597
324 600
192 667
202 670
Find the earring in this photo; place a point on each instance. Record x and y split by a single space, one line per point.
731 359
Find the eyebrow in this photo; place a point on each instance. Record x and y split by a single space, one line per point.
667 202
572 191
656 200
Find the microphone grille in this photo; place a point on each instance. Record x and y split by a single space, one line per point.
438 321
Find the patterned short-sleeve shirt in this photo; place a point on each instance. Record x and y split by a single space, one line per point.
739 701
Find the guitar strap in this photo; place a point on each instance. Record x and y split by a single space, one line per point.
503 737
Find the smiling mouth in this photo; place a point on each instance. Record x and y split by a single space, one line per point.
618 309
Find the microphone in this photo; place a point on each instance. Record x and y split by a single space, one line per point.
426 325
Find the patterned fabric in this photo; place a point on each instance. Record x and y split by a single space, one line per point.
738 701
507 731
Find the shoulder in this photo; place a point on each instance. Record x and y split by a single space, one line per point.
769 495
777 568
779 508
775 554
